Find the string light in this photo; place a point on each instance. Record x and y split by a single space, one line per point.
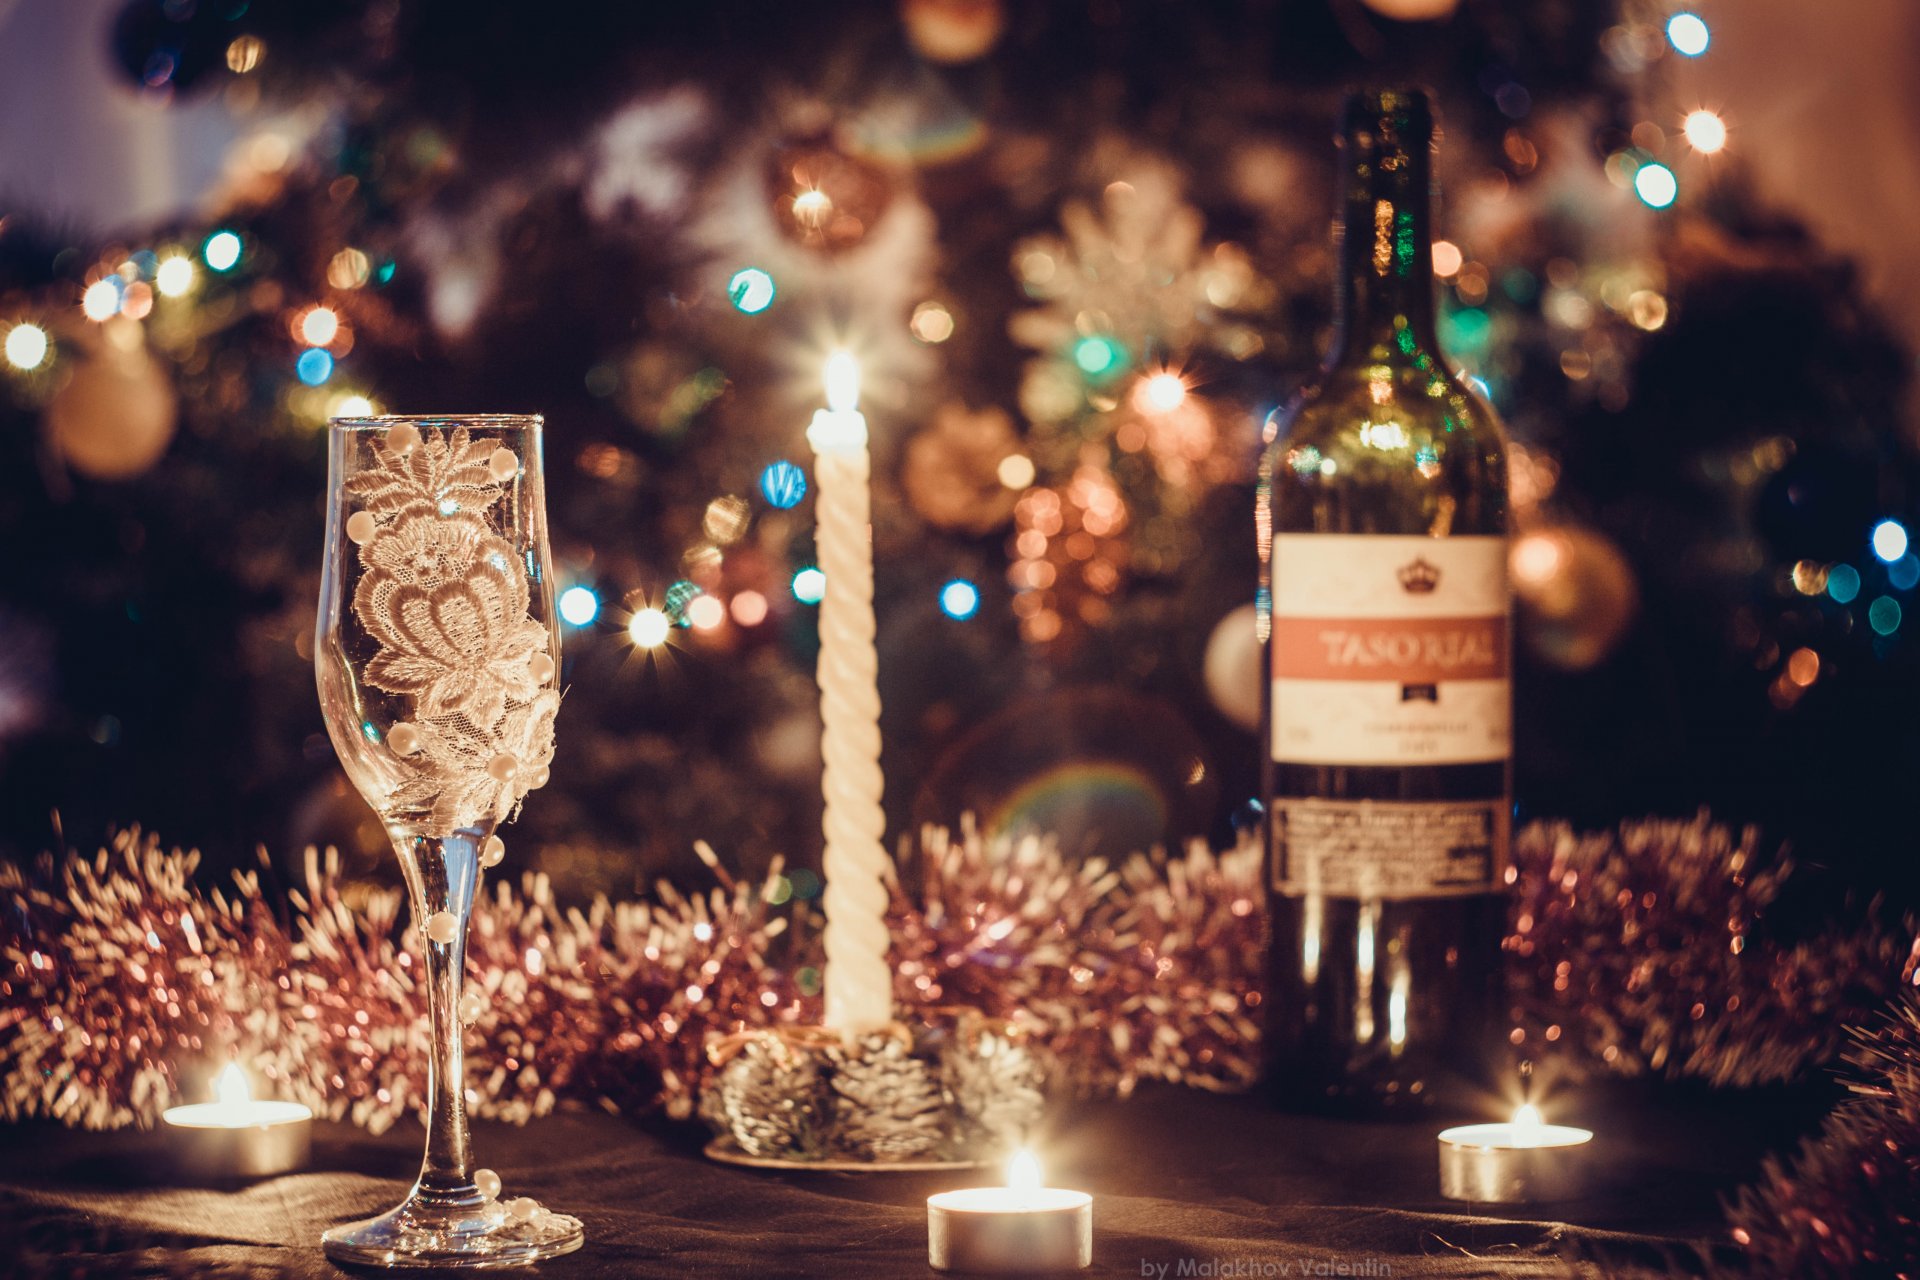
221 251
750 290
1447 259
579 606
959 599
649 628
101 299
1705 131
174 276
1162 392
704 613
1655 184
931 323
1688 34
749 608
319 326
1889 540
1016 471
27 345
314 366
809 585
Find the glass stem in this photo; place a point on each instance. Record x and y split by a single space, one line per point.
442 875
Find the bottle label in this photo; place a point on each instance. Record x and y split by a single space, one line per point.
1390 650
1387 849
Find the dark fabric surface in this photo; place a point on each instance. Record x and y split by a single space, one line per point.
1221 1184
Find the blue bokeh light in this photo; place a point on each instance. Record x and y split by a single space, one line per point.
1843 583
809 585
314 366
579 606
1889 540
750 290
959 599
783 484
1688 34
1884 615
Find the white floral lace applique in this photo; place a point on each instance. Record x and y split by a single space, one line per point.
446 599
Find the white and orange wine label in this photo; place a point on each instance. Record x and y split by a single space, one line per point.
1390 650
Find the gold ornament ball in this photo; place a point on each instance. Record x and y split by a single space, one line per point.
1231 668
953 31
1577 595
114 416
825 198
1413 10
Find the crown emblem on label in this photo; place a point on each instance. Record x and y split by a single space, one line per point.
1418 577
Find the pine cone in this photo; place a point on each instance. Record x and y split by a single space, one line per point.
887 1104
770 1098
993 1085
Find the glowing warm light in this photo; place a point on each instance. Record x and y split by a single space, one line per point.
1705 131
244 54
1161 392
1447 258
749 608
352 406
174 276
349 269
649 628
222 250
319 326
812 206
101 299
1016 471
809 585
704 613
1889 540
750 290
230 1088
1023 1171
959 599
1526 1116
579 606
931 323
1655 184
1803 668
27 345
1537 558
1688 34
843 382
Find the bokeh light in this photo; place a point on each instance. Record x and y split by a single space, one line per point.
349 269
809 585
783 484
1883 615
319 326
704 613
749 608
222 250
27 345
1447 258
351 405
101 299
1904 573
1889 540
1705 131
750 290
579 606
1161 392
1655 184
1843 583
174 276
648 628
959 599
314 366
931 323
1016 471
1097 356
1803 668
1688 34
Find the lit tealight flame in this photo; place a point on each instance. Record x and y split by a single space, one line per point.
230 1088
1527 1126
1023 1172
843 382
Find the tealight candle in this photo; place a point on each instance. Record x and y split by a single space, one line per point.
1022 1228
1514 1163
237 1137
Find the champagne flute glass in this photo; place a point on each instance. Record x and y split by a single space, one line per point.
436 652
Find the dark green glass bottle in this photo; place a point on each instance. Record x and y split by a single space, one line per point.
1384 609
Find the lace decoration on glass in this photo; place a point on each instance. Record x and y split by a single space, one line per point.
445 597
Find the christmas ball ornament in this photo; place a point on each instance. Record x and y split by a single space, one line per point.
361 528
492 851
953 31
502 465
503 766
1577 595
403 439
114 416
951 472
540 668
488 1182
1232 668
825 198
443 927
403 737
1413 10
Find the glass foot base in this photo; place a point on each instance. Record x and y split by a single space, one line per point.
482 1235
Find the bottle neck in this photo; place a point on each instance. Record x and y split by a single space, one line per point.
1385 238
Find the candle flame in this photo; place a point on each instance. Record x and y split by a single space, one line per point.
1526 1126
1023 1172
843 382
230 1088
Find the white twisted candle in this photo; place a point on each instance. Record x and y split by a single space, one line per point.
859 985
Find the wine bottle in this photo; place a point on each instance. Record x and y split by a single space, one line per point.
1384 611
